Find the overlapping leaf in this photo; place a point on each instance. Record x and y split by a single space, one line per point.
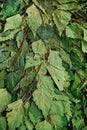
13 22
44 125
15 114
12 7
5 99
85 34
43 64
34 18
11 80
57 71
39 48
48 101
3 123
72 31
61 19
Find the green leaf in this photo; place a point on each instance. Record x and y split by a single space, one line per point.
12 7
3 55
43 70
58 121
57 108
63 54
61 106
19 38
54 59
76 61
43 95
57 71
72 6
2 76
77 119
34 18
11 80
78 122
32 61
76 82
72 31
29 124
79 54
13 22
22 127
5 99
45 32
84 46
25 48
49 102
34 113
2 123
10 35
43 64
83 86
4 64
53 104
85 34
82 73
61 19
46 7
39 48
26 80
15 114
44 126
19 63
66 43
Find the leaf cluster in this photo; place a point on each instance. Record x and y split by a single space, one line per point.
43 65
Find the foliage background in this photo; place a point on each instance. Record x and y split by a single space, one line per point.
43 64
